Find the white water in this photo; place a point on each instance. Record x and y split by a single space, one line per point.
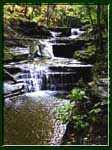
21 50
48 43
34 74
75 32
38 78
55 34
47 47
33 77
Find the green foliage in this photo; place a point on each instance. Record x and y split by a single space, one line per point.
100 69
68 111
68 16
53 15
84 118
8 56
80 122
95 111
86 55
77 94
64 112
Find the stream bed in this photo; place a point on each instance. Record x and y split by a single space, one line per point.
30 105
31 119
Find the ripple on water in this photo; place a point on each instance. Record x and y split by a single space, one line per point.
28 124
30 120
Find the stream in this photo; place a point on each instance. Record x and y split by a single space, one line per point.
30 116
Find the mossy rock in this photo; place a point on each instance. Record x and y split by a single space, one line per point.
87 55
8 56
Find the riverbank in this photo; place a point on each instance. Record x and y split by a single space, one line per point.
88 124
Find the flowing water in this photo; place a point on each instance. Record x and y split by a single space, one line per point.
30 116
24 123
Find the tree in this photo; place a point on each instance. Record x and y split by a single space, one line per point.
105 14
90 16
50 14
99 39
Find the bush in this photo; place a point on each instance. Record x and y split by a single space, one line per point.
87 55
77 95
64 112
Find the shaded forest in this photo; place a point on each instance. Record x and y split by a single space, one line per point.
23 24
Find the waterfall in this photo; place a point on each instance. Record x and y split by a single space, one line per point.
34 80
61 74
75 32
46 79
47 48
43 79
34 77
46 45
55 34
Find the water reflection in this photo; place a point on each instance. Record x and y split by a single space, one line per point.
27 124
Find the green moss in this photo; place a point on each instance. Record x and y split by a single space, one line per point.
86 55
8 55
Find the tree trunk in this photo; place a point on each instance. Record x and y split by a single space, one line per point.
92 24
25 10
99 37
105 17
89 14
47 14
50 14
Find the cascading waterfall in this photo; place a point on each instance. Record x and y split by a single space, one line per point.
55 34
53 78
55 75
46 79
75 32
34 79
47 48
46 45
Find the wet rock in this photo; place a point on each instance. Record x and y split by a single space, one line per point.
13 69
8 56
15 54
66 50
101 87
30 28
65 47
10 88
19 29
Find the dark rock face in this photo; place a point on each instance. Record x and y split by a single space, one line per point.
66 51
30 28
57 78
74 73
13 69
